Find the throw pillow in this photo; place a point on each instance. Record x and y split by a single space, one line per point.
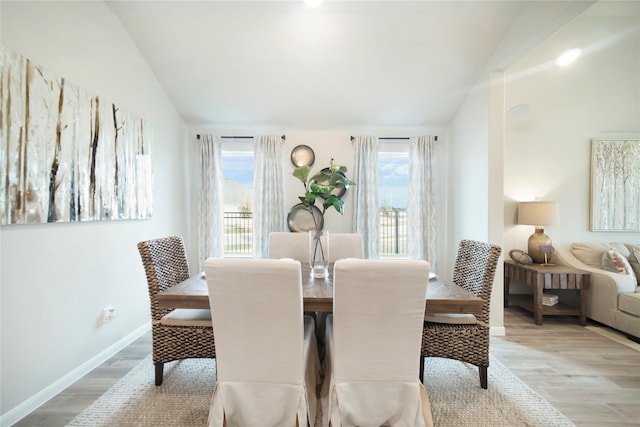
634 260
621 248
631 247
612 260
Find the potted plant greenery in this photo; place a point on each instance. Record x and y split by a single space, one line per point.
329 185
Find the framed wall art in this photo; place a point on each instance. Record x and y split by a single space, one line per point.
65 154
615 185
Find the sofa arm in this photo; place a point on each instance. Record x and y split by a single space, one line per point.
622 282
602 294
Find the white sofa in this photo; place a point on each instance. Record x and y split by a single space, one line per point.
613 298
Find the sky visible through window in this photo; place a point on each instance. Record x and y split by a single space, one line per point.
393 179
238 167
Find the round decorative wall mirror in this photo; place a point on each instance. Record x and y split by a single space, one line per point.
338 191
301 219
302 155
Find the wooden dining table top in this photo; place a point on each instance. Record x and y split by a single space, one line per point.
441 297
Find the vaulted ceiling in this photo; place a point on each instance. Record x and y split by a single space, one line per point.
342 65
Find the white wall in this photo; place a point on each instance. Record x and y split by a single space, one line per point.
548 137
56 278
482 146
475 182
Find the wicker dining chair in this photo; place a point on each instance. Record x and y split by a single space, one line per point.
458 336
176 333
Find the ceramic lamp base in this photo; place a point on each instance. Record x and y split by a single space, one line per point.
536 240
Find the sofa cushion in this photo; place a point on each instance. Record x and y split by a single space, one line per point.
630 303
591 253
612 260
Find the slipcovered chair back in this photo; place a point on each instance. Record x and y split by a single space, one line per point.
265 347
372 343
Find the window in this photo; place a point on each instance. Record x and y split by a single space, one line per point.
393 182
237 189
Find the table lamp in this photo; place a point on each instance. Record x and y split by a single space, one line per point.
538 214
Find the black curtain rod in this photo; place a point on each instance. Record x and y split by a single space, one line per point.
239 137
398 138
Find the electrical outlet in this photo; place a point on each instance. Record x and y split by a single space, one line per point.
108 313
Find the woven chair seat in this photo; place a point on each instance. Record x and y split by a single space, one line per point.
188 317
451 318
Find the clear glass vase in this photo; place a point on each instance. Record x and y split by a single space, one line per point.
319 253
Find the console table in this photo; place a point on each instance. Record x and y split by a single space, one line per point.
540 277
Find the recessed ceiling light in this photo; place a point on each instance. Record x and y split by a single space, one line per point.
568 57
313 3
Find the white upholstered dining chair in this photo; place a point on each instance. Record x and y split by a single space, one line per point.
373 343
267 359
344 245
296 246
289 245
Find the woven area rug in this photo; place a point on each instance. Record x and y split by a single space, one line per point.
454 391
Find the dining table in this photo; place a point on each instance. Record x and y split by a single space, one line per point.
441 296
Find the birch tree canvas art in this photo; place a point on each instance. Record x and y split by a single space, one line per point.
615 185
66 154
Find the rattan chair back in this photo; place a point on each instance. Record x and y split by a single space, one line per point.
165 265
474 270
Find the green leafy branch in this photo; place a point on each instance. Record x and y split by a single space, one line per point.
322 185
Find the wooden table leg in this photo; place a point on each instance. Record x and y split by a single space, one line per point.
506 291
537 299
583 300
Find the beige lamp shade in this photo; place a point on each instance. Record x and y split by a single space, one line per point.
538 214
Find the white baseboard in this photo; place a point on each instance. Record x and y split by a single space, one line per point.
25 408
497 331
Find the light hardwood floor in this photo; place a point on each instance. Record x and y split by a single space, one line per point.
592 379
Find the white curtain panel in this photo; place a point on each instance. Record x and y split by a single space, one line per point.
421 218
268 190
210 228
365 213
